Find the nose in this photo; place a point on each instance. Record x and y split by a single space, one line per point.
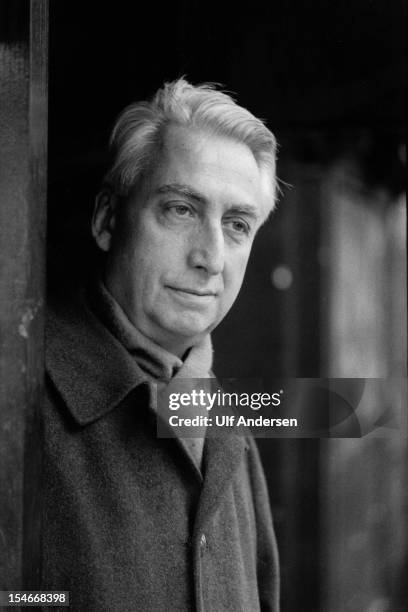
207 249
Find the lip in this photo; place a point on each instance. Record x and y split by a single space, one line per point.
192 298
193 292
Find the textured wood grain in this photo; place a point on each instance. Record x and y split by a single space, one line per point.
23 85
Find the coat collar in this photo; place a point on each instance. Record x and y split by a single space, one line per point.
90 368
93 373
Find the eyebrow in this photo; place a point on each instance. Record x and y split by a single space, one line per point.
192 194
183 190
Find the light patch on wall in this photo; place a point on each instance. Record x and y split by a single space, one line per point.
282 278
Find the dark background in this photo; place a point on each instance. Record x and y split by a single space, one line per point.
328 77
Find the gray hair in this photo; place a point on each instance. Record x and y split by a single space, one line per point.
138 132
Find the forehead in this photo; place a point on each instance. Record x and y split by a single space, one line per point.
222 169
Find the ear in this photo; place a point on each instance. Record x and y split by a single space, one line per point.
104 218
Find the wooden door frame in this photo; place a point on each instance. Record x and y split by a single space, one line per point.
23 199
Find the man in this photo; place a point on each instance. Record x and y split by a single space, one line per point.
133 521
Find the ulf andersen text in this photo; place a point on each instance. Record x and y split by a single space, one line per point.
230 421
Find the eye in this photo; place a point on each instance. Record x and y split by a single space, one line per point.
238 226
180 210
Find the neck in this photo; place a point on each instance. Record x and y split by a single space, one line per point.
176 346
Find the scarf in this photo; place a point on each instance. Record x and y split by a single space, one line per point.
158 364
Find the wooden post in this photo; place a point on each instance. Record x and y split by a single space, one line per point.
23 150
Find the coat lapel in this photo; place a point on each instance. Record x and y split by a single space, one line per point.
223 457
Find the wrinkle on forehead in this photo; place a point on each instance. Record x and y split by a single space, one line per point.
188 142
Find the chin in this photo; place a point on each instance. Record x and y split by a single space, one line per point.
192 326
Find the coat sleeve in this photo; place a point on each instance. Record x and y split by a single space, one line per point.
267 550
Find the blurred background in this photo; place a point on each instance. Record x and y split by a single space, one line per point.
325 291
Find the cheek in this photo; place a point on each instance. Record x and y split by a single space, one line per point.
161 247
153 264
147 273
146 253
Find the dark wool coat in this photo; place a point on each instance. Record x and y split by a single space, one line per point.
129 521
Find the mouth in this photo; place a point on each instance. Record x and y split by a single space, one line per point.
196 298
193 292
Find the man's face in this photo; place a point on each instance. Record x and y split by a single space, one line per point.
180 245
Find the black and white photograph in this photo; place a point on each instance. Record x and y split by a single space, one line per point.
203 306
